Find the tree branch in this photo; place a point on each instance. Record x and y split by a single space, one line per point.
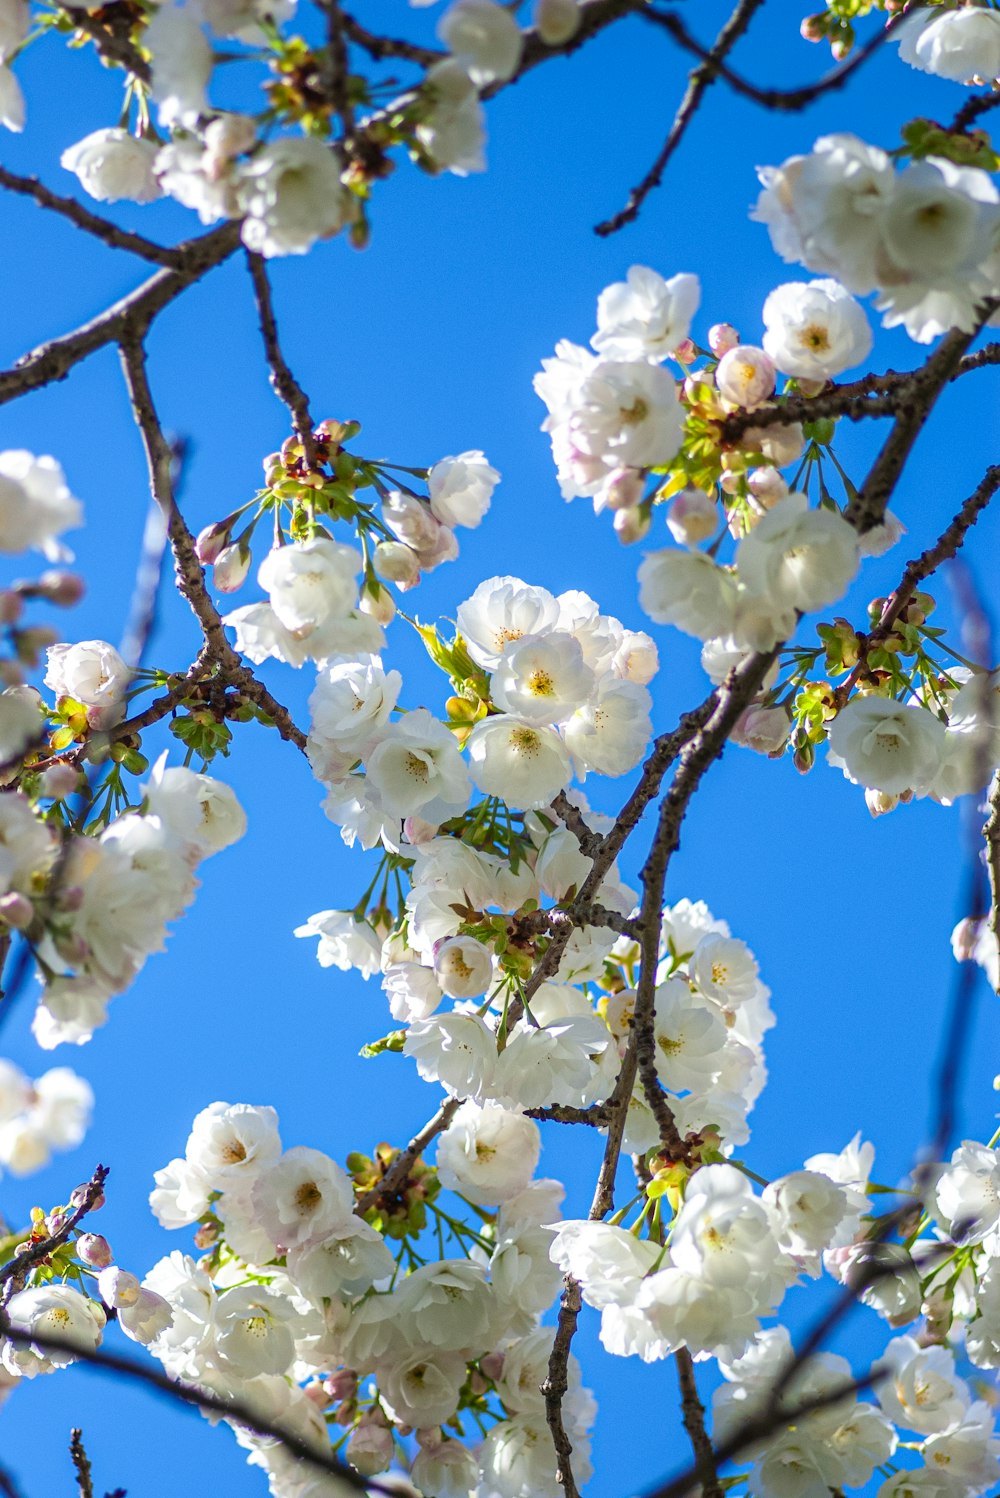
14 1273
92 223
53 360
693 1416
404 1162
284 384
698 84
81 1461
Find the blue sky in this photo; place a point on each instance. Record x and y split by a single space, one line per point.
431 337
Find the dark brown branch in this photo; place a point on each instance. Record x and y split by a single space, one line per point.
81 1461
975 106
945 547
699 82
597 1115
405 1160
781 99
693 1416
381 47
339 70
92 223
867 508
284 384
8 1487
189 572
556 1385
113 45
572 817
54 360
14 1273
202 1399
991 835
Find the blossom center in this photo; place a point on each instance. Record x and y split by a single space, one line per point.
308 1197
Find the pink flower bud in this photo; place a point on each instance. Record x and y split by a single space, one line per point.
316 1393
813 28
212 542
686 353
622 489
631 525
59 781
341 1385
730 481
692 517
62 588
79 1195
721 338
94 1250
417 831
965 938
56 1221
17 910
11 606
763 729
231 568
492 1365
767 486
745 376
397 563
69 897
370 1448
780 445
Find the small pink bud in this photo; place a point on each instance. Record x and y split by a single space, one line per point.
94 1250
212 542
721 338
79 1195
206 1236
341 1385
17 910
417 831
315 1392
11 606
370 1448
56 1221
767 486
62 588
763 729
692 517
59 781
492 1366
623 489
69 897
813 28
631 525
965 938
730 481
231 568
686 352
880 802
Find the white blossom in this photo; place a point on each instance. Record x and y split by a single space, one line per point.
815 330
112 165
292 195
645 316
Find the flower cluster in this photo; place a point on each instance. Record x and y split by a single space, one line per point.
36 1117
302 1308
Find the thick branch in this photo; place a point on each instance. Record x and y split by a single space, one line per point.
53 360
698 84
693 1416
202 1399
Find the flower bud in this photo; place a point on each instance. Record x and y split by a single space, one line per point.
556 20
341 1385
397 563
767 486
780 445
763 729
11 606
79 1195
370 1447
879 802
94 1250
813 28
622 489
721 338
59 781
380 605
65 589
745 376
68 897
16 910
212 542
492 1365
229 135
206 1236
730 480
417 831
692 517
231 568
632 524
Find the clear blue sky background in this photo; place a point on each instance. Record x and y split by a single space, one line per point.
431 338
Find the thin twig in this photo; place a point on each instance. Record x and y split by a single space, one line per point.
916 571
81 1461
703 76
92 223
780 99
404 1162
974 106
16 1270
693 1416
991 836
284 384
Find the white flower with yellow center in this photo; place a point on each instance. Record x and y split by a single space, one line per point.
542 678
815 329
524 764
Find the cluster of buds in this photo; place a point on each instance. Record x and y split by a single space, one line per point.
402 1212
